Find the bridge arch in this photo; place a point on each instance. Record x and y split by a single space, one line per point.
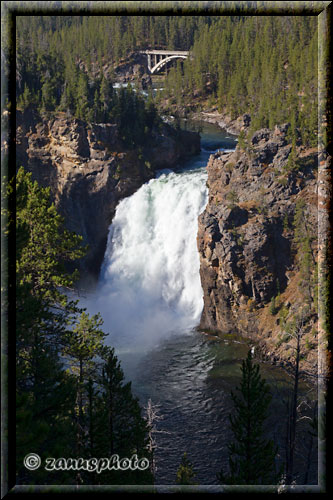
159 58
163 62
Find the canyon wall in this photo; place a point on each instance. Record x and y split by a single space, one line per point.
249 257
89 170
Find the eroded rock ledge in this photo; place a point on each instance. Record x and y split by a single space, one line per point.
246 240
89 170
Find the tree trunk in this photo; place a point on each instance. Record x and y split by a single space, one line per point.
293 417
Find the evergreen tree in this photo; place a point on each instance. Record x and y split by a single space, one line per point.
82 97
106 98
119 427
71 393
45 394
294 330
82 345
25 99
185 474
251 455
241 63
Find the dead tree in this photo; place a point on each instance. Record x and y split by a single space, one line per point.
152 417
296 330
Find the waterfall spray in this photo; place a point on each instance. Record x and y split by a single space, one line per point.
150 285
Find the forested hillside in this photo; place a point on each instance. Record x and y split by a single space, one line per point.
50 76
266 66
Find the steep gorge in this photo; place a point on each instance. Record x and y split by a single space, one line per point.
246 237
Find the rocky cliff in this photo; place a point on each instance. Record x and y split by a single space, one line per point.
224 120
251 254
89 170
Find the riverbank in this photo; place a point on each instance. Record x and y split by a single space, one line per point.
223 120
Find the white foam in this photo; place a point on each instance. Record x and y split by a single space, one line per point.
150 285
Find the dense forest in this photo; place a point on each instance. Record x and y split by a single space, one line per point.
266 66
51 77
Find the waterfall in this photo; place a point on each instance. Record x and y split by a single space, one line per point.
149 286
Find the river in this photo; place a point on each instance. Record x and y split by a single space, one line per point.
150 297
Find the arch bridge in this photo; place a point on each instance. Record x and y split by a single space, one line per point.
159 58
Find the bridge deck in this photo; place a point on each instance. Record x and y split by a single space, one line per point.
166 52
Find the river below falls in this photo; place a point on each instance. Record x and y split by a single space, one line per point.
150 298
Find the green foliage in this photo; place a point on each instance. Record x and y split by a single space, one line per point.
283 314
84 341
286 222
82 99
52 78
43 247
185 474
71 398
283 180
303 237
257 65
25 99
233 199
273 309
118 426
45 392
264 65
309 344
251 455
241 140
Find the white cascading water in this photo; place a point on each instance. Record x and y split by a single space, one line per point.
150 285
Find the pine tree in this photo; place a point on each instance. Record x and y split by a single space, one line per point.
119 427
294 330
82 345
82 97
44 390
251 455
106 99
48 95
25 99
185 474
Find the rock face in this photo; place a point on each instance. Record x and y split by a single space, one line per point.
245 237
89 171
223 120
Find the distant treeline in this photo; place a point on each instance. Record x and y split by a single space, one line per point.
264 65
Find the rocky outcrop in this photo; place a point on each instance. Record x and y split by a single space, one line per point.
224 120
133 68
246 238
89 171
